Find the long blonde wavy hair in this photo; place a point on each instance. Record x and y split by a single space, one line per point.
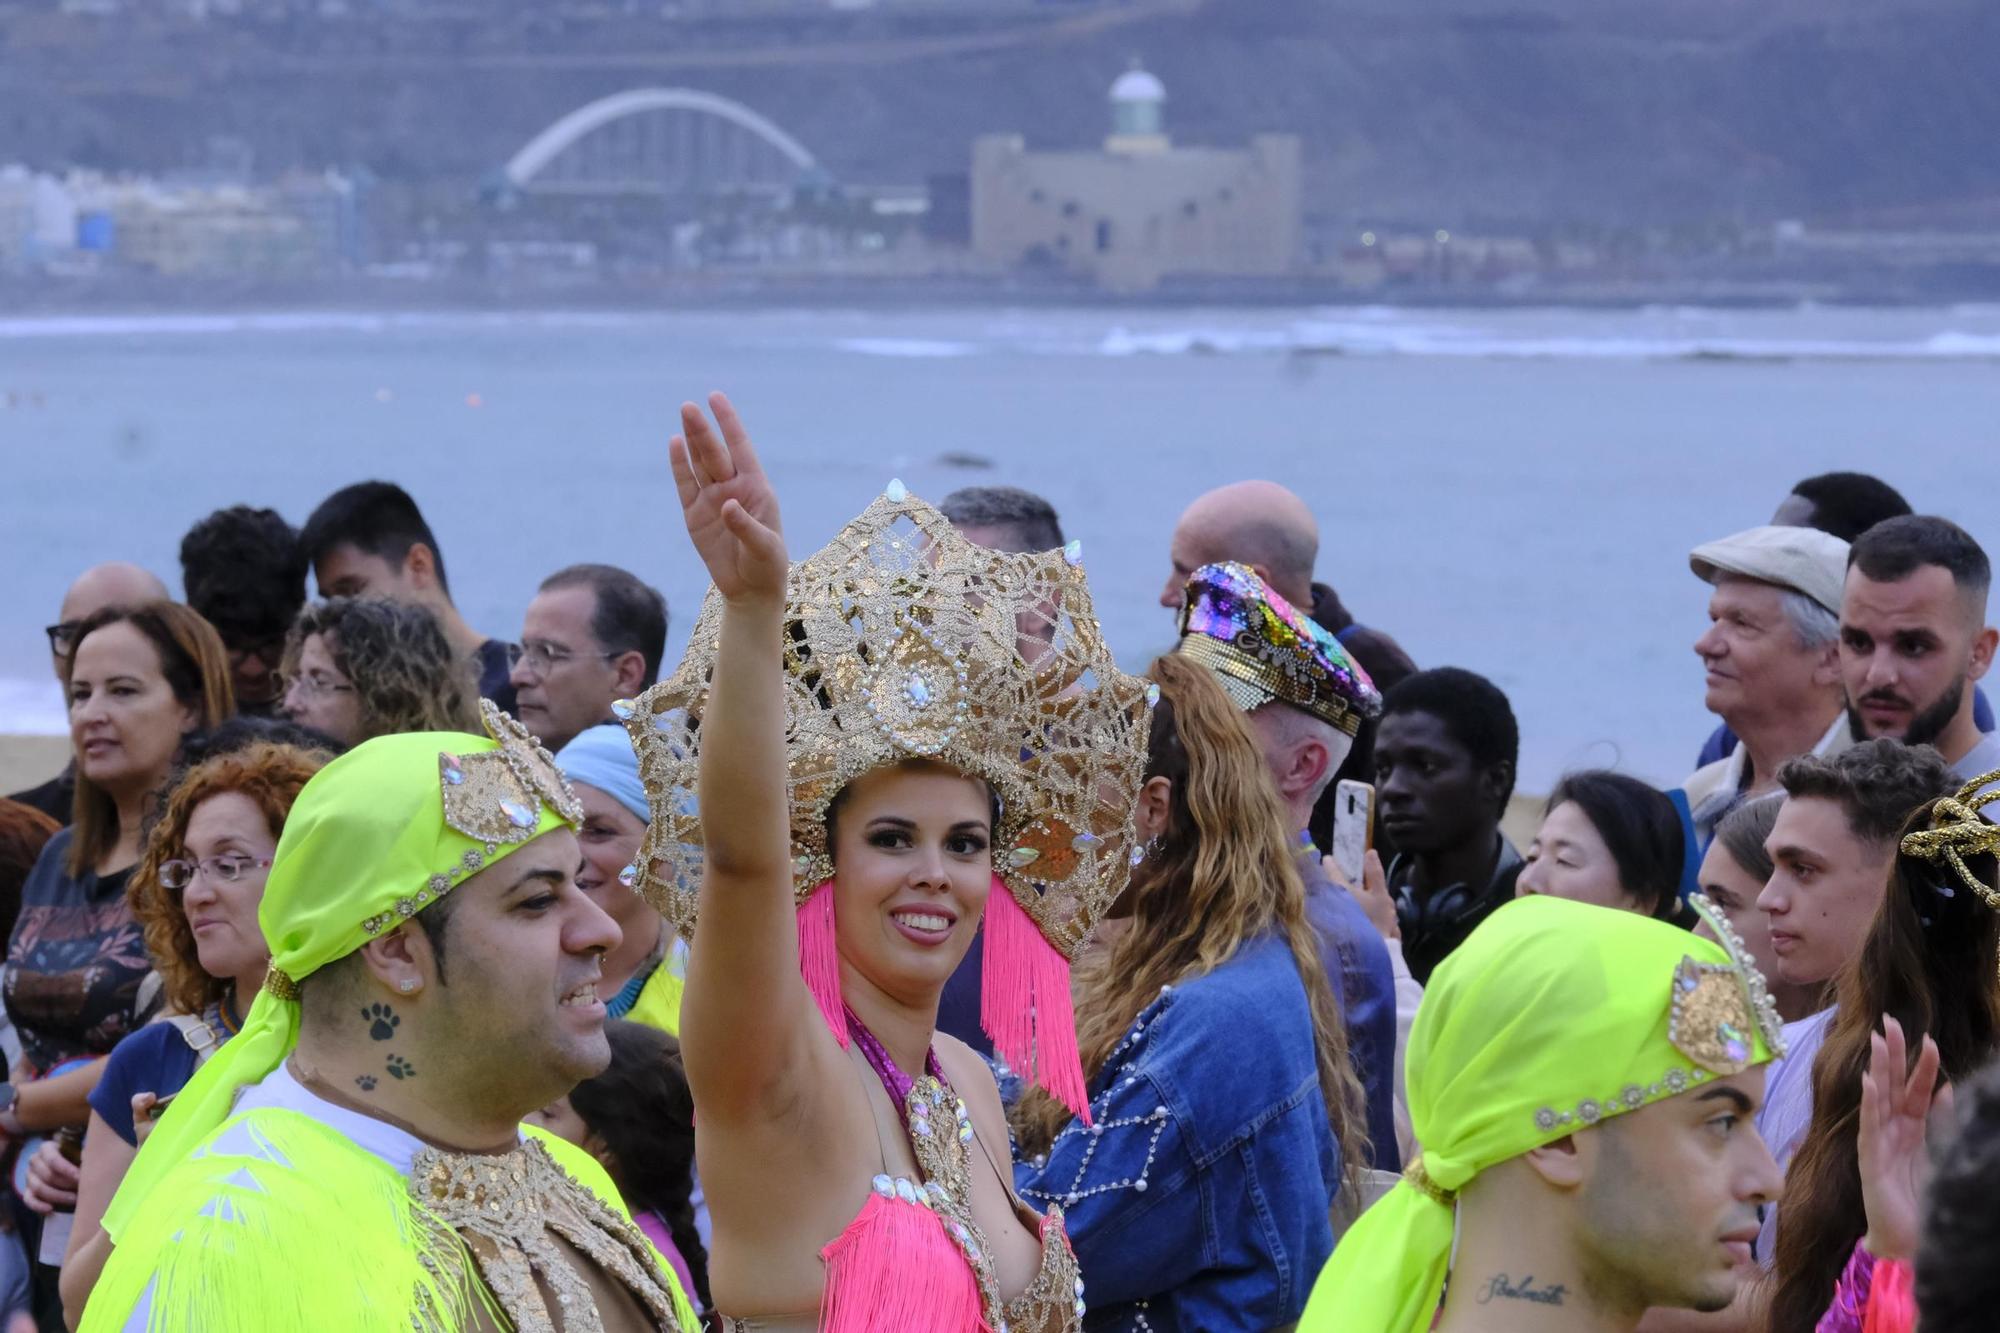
1222 876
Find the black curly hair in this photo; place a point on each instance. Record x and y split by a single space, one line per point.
245 573
643 1112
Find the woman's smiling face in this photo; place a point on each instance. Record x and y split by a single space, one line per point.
913 851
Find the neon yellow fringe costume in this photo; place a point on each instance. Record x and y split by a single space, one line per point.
267 1219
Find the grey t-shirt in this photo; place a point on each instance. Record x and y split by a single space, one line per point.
1981 759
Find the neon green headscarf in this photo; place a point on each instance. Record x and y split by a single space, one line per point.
374 838
1552 1017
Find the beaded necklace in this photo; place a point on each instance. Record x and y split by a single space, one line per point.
943 1156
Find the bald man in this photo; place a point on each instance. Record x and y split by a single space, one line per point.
117 583
1265 526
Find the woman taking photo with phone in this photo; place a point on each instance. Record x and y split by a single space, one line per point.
196 893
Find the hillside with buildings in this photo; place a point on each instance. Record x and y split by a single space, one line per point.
1680 123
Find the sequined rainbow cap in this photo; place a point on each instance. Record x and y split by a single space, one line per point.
1262 649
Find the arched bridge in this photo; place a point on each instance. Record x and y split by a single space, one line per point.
659 140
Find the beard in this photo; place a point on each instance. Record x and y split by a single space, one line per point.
1926 725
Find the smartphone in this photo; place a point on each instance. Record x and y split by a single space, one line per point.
1353 828
159 1107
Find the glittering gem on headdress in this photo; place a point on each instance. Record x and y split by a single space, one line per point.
1023 856
896 492
917 694
1073 554
1711 1015
629 876
1765 1019
621 709
495 797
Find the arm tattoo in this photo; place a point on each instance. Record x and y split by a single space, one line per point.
1500 1287
401 1068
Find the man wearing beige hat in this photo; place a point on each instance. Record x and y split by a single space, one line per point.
1772 654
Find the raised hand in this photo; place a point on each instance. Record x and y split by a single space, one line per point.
730 508
1890 1142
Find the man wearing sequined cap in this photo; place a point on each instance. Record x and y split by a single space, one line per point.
1582 1081
354 1158
1305 699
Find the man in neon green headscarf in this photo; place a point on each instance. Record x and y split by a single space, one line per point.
1582 1081
353 1158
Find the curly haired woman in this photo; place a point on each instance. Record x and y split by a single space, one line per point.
360 667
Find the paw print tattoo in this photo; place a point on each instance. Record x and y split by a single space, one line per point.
401 1068
365 1082
382 1021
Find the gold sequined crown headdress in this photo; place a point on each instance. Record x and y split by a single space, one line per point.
905 640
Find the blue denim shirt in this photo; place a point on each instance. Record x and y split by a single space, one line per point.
1363 980
1201 1198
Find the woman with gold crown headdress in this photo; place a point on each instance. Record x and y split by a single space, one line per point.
880 772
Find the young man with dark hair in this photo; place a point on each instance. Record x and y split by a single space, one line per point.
1845 504
594 634
244 573
1445 753
1003 518
1831 849
1583 1083
370 539
1914 639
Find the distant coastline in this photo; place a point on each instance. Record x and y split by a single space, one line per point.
745 291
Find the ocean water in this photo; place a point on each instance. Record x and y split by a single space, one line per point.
1510 491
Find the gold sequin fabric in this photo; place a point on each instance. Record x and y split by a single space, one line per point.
495 798
941 1137
903 640
508 1208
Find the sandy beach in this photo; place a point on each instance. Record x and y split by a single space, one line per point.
28 760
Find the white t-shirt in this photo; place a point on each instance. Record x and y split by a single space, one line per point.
1787 1110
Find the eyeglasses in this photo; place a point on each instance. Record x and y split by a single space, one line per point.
315 683
271 652
227 868
543 657
62 636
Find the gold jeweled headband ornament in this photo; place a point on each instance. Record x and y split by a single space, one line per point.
905 641
494 798
1715 1014
1958 830
1718 1011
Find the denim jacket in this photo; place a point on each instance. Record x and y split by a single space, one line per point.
1201 1198
1357 967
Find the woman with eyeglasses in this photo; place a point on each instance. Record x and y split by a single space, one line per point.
195 893
361 667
